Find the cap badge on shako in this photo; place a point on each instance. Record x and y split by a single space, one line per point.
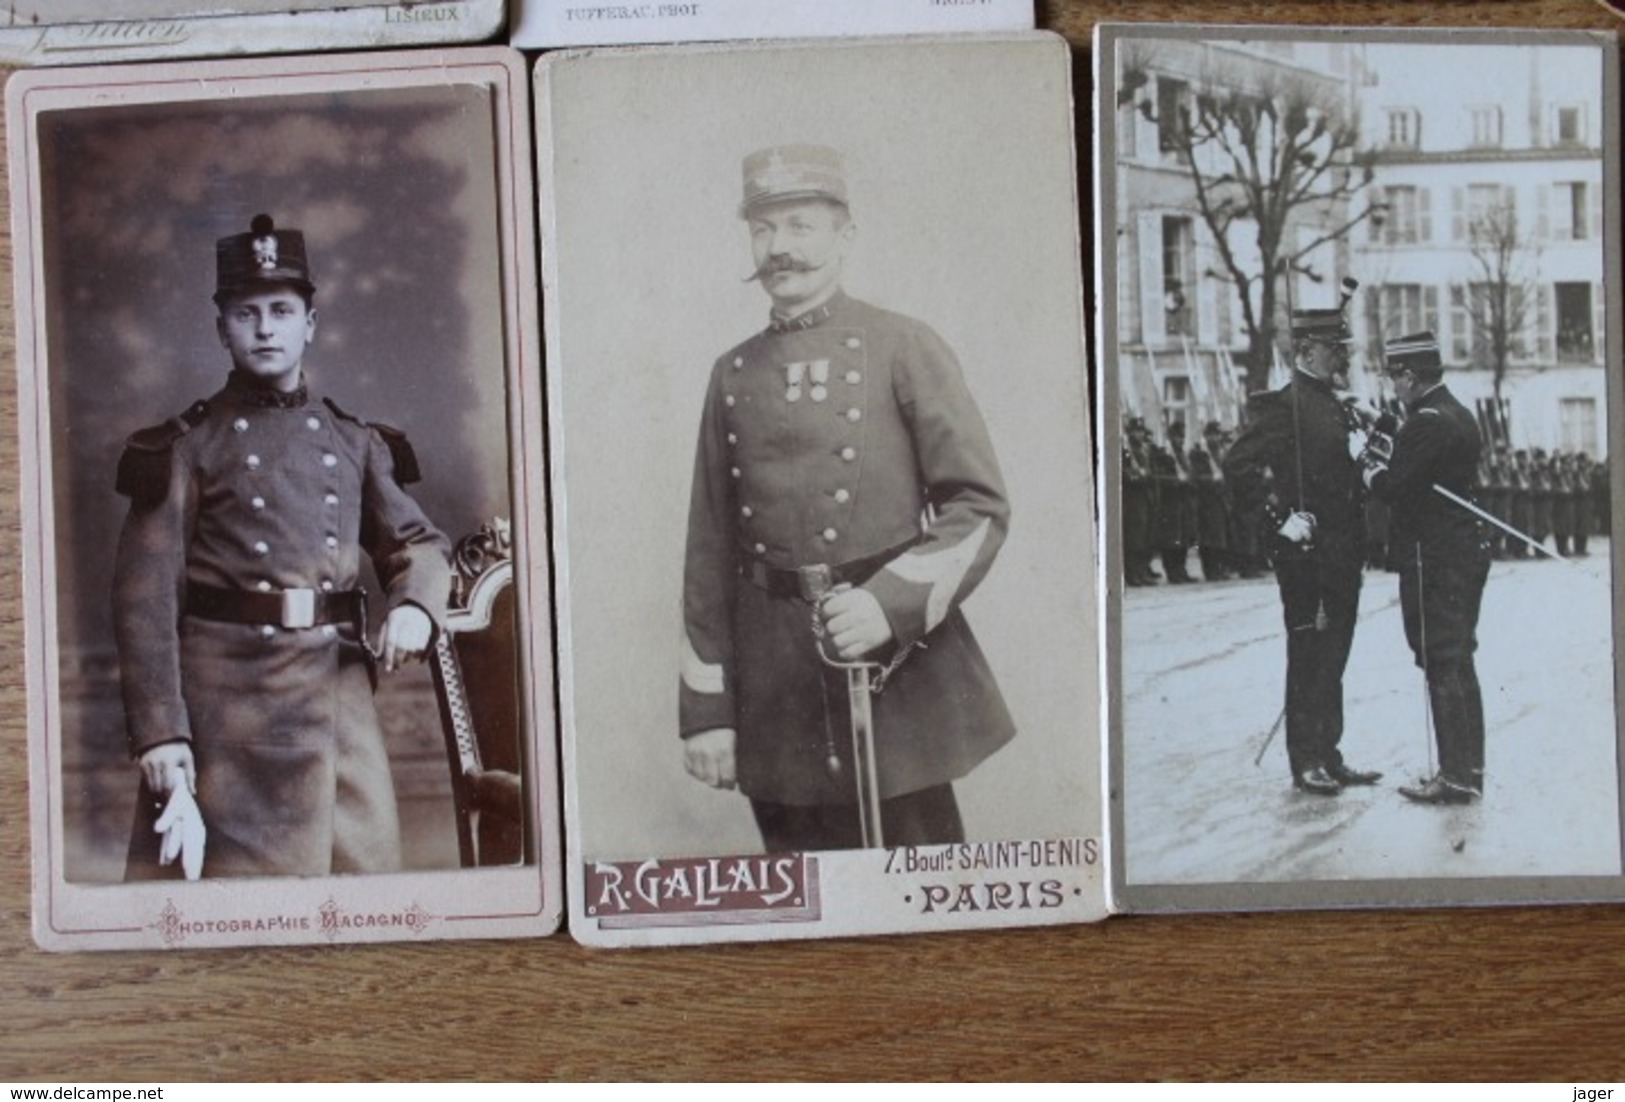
1415 350
261 257
785 172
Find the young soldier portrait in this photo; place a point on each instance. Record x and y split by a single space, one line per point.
246 651
845 501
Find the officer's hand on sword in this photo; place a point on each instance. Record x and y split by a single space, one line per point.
855 623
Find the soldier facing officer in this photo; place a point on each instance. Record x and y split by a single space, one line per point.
241 625
1442 557
1312 510
843 473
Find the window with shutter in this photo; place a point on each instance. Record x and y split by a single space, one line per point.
1153 332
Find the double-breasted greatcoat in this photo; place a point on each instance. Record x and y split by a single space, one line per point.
254 492
846 437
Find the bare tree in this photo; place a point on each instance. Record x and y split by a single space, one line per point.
1268 150
1498 299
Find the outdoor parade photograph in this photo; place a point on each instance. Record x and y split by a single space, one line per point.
1358 418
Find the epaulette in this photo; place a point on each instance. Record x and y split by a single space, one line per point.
143 468
1427 410
401 454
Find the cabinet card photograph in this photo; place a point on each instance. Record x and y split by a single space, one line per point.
543 23
1358 341
85 32
824 539
286 595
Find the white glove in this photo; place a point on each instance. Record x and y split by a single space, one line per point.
181 825
1298 528
1358 440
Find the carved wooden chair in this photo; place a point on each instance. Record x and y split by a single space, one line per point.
474 666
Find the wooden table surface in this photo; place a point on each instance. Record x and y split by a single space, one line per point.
1503 993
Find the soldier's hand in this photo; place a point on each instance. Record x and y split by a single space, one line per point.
182 833
405 636
855 622
1298 528
168 766
1358 441
709 757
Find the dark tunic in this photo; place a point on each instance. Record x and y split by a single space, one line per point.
1212 501
250 493
1443 560
850 438
1299 434
1139 511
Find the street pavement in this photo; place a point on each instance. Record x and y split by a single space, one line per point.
1203 677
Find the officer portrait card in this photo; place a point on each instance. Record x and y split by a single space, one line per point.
1359 432
287 605
84 32
820 449
541 23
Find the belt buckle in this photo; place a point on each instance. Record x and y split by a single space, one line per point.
815 581
298 608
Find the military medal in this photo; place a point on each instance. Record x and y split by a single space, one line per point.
819 372
793 374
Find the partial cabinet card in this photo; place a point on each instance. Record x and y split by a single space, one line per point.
824 544
284 513
1358 335
83 32
537 24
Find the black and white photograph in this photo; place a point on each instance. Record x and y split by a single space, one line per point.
92 32
821 460
279 365
1359 341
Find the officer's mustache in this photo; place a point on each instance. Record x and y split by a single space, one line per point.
775 264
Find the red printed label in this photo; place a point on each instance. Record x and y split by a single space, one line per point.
703 891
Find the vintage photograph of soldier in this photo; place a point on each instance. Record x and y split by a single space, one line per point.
1355 337
278 520
814 503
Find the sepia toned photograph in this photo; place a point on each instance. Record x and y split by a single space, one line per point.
821 461
279 380
90 32
1358 338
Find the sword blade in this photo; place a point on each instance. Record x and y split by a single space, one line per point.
863 757
1505 527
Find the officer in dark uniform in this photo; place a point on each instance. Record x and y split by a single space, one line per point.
1562 480
843 479
1175 527
1540 497
1212 499
245 663
1584 522
1139 504
1522 502
1442 557
1312 510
